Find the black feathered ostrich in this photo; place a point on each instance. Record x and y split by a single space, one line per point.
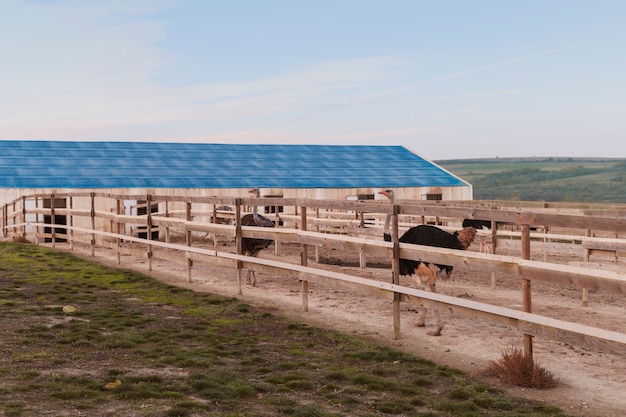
477 224
251 246
426 272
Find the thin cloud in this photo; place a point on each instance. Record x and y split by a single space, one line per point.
413 86
378 134
472 71
487 94
286 137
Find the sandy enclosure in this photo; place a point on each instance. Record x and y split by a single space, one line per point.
590 383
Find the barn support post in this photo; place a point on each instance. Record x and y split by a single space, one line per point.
239 245
149 229
304 262
188 240
526 287
92 214
395 267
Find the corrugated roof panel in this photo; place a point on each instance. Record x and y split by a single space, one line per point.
54 164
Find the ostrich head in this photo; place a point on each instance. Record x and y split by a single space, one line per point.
466 236
388 194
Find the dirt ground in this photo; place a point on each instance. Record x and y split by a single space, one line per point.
590 383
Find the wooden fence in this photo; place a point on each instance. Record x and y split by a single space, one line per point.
99 219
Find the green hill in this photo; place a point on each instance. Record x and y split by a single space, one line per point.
600 180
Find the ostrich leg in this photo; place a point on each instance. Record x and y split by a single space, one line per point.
251 277
439 328
421 322
427 274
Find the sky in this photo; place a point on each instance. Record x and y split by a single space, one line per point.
447 79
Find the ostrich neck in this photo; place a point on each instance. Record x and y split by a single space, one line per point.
387 227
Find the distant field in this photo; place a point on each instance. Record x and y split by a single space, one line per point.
543 179
470 169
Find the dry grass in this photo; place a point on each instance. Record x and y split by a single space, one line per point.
21 239
515 368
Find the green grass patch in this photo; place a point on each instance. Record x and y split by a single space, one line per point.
134 343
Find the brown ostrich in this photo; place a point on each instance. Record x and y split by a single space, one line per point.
251 246
427 273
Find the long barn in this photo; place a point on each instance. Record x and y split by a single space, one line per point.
49 168
289 171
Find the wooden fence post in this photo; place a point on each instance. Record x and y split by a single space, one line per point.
494 243
4 219
52 218
70 232
304 262
118 241
167 228
24 217
362 255
214 221
239 245
92 214
149 229
526 287
14 220
395 267
276 224
188 241
37 228
317 229
585 300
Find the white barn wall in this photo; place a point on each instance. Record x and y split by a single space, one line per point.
203 212
402 193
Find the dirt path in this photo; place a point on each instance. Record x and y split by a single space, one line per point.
589 383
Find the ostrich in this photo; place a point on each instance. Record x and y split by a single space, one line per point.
477 224
251 246
426 272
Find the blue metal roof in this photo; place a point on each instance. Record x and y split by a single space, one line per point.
56 164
